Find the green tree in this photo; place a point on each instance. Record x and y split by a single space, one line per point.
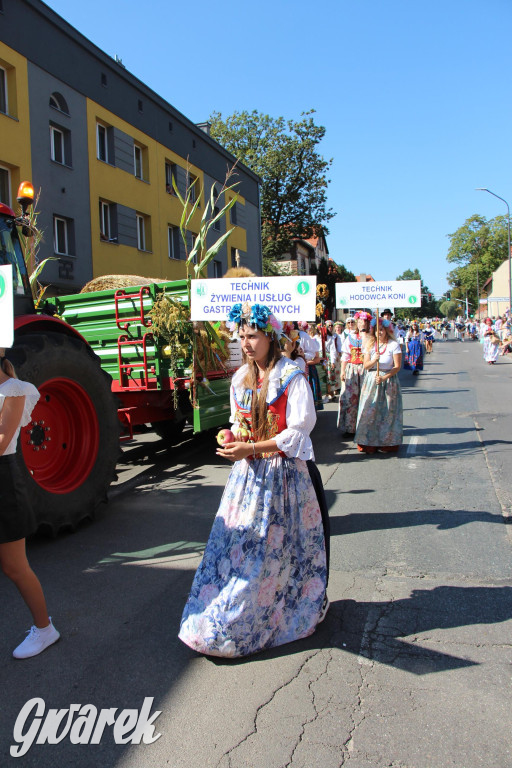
428 308
478 247
449 309
284 153
329 273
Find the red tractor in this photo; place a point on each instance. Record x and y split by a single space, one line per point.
71 446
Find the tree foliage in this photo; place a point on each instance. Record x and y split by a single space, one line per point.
479 246
284 153
329 273
428 308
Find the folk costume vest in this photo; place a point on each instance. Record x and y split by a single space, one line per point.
276 407
356 349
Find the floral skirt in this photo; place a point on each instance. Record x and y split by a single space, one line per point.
380 415
333 375
349 397
262 579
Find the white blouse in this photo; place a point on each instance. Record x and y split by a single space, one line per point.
18 388
386 362
294 441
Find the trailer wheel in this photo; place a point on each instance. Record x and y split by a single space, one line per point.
71 446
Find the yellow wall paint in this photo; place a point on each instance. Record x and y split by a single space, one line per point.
148 197
15 151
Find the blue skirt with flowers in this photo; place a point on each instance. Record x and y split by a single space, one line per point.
263 575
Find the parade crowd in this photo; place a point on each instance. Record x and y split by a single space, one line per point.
263 578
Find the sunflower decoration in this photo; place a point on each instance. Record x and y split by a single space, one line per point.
322 292
320 310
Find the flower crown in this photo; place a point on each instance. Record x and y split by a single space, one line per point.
382 321
362 315
257 315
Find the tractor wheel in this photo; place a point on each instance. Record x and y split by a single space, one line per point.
71 446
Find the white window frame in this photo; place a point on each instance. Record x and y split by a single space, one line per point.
217 268
170 174
56 221
105 218
171 250
3 75
53 133
137 151
100 126
192 185
8 172
141 232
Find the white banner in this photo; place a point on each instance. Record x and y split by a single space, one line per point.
379 295
289 298
6 307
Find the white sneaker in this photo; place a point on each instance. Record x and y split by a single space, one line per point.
36 641
325 607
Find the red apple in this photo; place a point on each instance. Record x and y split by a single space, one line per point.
225 436
243 435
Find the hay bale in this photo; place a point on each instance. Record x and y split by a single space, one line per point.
113 282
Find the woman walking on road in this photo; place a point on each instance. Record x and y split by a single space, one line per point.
380 416
17 401
262 581
414 350
352 371
491 343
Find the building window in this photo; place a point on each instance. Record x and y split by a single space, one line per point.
3 91
216 224
141 106
137 161
191 239
170 176
104 143
108 223
173 239
192 187
141 233
103 79
57 101
233 215
60 236
56 145
5 186
217 269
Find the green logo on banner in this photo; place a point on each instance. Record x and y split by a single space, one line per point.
2 286
412 299
201 290
303 288
343 301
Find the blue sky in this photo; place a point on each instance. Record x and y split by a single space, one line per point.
415 97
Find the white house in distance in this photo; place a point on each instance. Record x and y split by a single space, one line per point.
303 254
496 292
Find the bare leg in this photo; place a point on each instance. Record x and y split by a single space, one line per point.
14 563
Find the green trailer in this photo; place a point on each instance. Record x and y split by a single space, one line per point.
117 326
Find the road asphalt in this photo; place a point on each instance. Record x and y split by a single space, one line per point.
412 666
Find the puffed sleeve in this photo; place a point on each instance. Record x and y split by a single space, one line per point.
19 388
295 441
345 350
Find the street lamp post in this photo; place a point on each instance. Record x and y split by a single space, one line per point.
484 189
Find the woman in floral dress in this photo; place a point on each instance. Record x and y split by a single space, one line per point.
352 371
262 580
380 415
491 342
414 350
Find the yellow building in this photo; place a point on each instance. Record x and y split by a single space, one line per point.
106 153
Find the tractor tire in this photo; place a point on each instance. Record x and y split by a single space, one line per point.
71 446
